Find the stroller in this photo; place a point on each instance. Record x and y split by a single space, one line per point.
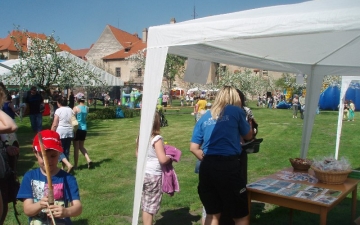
163 120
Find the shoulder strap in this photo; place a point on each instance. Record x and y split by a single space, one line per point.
16 213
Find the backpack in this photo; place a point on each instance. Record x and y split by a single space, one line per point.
9 182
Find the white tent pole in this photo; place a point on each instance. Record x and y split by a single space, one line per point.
313 87
154 69
340 118
345 82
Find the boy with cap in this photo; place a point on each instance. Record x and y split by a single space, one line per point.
33 189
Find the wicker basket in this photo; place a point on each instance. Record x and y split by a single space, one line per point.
300 166
331 177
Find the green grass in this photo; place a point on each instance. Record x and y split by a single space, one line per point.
107 191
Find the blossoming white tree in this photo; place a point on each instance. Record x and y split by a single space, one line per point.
41 66
249 83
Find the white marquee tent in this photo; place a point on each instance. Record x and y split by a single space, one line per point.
316 38
109 79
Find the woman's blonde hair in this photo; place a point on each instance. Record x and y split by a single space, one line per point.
227 95
156 125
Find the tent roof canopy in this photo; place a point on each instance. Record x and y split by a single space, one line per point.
321 34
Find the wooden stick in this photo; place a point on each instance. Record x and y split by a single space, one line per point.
47 170
52 216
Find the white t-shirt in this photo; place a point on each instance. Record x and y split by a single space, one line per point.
152 162
64 128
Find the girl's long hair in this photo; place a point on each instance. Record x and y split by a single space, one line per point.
227 95
3 94
156 125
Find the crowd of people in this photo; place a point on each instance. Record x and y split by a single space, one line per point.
218 142
297 103
270 101
53 148
349 110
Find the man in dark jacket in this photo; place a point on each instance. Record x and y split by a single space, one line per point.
36 105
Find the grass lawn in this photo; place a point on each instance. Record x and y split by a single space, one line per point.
107 191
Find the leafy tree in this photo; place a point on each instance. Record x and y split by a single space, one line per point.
174 67
289 81
250 84
41 66
139 60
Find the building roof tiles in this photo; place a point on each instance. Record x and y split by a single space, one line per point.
127 51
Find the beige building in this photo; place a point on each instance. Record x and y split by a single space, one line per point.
112 48
263 73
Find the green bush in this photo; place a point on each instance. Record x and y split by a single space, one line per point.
110 113
104 113
130 113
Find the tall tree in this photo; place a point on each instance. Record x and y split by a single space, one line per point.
250 84
174 67
289 81
138 59
41 66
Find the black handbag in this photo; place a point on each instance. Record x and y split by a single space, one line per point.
252 146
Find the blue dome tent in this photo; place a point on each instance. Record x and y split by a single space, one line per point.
353 93
329 99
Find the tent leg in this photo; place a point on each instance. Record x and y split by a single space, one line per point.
313 87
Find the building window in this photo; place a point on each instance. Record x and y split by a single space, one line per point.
118 71
139 72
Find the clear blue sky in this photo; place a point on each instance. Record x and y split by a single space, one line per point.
79 23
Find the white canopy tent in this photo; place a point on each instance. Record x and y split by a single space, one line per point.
316 38
109 79
345 82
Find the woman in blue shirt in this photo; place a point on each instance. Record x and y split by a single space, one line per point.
216 142
81 111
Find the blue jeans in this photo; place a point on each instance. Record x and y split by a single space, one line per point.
36 122
66 143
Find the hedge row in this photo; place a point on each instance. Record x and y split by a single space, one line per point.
110 113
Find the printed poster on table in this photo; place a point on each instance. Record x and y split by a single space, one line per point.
298 190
